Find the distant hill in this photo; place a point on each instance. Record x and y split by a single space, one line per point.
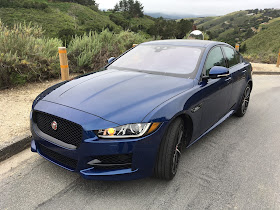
237 26
172 16
256 30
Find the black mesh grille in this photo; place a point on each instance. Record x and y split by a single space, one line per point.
66 161
113 161
68 132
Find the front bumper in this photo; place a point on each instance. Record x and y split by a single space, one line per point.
142 150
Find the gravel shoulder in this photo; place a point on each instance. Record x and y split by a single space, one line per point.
264 67
15 106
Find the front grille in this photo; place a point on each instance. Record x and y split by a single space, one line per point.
121 161
68 132
63 160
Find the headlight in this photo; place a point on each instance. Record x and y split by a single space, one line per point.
128 131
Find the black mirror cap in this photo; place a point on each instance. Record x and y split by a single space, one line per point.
218 72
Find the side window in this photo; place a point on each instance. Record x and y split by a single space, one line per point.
215 58
232 56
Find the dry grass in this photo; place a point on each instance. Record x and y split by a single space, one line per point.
15 106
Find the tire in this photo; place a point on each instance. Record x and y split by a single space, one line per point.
244 103
170 151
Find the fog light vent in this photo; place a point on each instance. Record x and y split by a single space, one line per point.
111 161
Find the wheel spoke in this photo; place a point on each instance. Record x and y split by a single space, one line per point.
243 105
177 152
247 92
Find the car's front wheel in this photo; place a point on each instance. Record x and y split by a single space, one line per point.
244 103
170 151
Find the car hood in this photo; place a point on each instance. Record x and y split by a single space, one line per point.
118 96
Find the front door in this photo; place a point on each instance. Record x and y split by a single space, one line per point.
216 93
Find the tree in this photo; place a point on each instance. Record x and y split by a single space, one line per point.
131 8
139 8
183 27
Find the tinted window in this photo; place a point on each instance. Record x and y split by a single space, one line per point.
215 58
232 56
159 58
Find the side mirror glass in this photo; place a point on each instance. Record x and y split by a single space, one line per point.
110 60
218 72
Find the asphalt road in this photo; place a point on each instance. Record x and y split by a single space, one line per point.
236 166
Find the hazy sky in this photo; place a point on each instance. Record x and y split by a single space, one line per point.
197 7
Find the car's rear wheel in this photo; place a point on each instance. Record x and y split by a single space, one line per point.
170 151
244 103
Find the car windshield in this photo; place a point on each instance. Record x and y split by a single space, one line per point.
163 59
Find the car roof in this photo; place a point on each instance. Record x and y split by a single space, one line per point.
184 42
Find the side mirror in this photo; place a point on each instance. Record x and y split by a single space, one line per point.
218 72
110 60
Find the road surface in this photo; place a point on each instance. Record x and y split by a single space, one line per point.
236 166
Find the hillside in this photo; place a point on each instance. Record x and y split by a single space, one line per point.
237 26
59 18
64 19
265 45
256 30
131 23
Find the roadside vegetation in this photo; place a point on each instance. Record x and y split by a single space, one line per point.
28 56
32 30
92 50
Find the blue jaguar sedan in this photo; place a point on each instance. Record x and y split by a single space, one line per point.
133 118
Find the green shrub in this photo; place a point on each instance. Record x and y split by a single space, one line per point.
26 55
265 45
91 51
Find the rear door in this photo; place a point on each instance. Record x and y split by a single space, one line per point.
238 70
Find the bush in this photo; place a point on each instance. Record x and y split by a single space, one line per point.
91 51
120 20
26 55
66 35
